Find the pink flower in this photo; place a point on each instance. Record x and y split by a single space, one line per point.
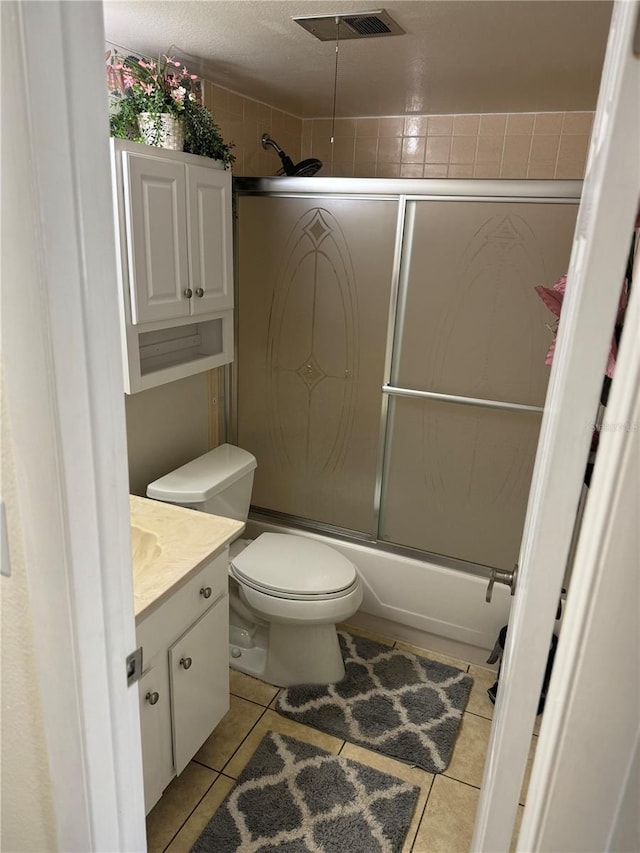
553 298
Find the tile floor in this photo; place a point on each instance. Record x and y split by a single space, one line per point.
444 816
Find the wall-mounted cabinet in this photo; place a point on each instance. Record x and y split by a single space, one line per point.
174 236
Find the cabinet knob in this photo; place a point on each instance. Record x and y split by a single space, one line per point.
152 698
200 292
185 662
205 592
188 292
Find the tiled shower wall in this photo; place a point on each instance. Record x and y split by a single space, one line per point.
243 121
513 145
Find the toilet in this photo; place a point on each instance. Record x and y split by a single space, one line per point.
286 592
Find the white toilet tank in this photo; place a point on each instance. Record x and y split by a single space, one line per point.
219 482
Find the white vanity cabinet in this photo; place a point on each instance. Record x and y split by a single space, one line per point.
174 237
199 696
155 730
184 689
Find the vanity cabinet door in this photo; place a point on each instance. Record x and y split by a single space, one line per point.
199 672
155 728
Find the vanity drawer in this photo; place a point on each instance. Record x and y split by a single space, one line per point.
184 605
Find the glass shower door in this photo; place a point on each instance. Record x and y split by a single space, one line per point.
468 380
314 300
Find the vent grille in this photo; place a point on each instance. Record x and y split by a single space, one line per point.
351 26
369 26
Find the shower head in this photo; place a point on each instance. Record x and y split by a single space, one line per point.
304 169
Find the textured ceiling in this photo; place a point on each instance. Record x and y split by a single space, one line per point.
459 56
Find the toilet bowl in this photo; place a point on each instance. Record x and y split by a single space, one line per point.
286 592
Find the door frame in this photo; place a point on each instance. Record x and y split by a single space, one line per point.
65 399
601 245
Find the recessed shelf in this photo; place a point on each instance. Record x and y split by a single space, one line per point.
180 345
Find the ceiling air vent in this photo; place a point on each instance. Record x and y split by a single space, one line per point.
368 26
356 25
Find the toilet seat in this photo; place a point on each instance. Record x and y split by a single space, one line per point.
294 567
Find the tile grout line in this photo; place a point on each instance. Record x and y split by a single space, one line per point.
179 829
424 809
226 764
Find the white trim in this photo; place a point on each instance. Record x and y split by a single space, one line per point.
596 271
595 687
65 393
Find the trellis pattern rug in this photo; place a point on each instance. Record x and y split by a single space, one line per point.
295 797
391 701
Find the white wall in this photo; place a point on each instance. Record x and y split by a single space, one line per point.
166 427
28 821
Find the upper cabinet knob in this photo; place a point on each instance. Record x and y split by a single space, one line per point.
205 592
200 291
185 662
188 292
152 698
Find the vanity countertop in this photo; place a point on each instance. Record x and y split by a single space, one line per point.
169 544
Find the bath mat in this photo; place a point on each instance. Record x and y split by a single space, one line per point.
295 797
396 703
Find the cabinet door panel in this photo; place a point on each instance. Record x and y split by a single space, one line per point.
199 670
210 256
155 729
156 214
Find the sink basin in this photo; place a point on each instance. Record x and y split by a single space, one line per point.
145 548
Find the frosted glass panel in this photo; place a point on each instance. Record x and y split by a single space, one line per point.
457 480
315 281
473 324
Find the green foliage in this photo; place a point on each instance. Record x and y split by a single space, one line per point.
202 135
124 122
138 86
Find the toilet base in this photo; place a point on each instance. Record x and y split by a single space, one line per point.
285 655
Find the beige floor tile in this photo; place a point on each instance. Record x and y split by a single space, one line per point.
527 772
188 835
270 721
479 703
467 761
229 733
516 829
427 653
447 823
176 804
251 688
363 632
412 775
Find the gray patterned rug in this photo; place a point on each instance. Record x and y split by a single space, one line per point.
295 798
396 703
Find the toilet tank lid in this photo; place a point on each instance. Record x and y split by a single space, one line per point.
204 477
